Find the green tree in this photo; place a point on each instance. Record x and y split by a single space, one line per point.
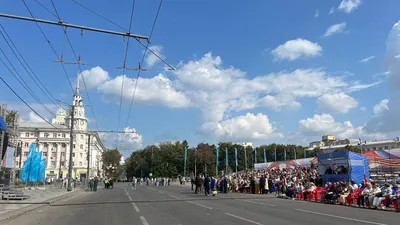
111 159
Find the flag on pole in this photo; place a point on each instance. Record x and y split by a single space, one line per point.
226 158
217 157
255 155
236 158
245 158
284 154
295 154
265 156
275 154
184 164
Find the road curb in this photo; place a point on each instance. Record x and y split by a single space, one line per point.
29 208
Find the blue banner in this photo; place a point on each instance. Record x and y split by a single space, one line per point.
184 163
26 168
226 157
217 158
35 167
284 151
236 157
42 171
265 156
255 155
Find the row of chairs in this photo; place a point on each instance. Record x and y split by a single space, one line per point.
318 195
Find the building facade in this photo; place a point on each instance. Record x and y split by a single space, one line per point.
333 144
54 141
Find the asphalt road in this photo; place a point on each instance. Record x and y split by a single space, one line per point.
175 205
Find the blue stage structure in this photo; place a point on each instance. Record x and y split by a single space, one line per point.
343 166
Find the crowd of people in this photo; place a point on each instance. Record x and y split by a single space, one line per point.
300 183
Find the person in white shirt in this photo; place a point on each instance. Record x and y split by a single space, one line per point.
134 181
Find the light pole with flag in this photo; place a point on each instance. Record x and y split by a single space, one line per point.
184 163
226 160
275 153
217 161
295 153
245 158
265 156
236 159
255 155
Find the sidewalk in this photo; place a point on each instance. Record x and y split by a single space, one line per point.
37 198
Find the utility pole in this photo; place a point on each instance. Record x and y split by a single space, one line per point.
16 137
71 142
88 161
3 113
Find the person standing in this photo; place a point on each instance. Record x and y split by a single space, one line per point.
134 183
207 186
95 183
262 184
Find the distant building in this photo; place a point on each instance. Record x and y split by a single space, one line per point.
54 142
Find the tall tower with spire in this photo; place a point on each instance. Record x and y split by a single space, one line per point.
80 121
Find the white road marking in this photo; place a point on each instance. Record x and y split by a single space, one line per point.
136 208
172 196
133 204
144 221
200 204
261 203
247 220
340 217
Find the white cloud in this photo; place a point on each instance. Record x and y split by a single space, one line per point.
242 128
387 111
279 101
336 102
316 13
336 28
127 142
349 5
26 114
381 106
93 77
295 49
331 11
363 108
325 124
367 59
34 118
156 90
390 61
151 59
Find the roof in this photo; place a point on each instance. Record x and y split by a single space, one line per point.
3 125
23 125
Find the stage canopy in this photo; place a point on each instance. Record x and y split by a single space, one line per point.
343 166
3 125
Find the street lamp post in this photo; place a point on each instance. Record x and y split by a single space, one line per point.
71 140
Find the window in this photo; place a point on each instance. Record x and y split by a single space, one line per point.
54 135
53 163
25 154
46 145
73 154
62 163
386 147
82 136
26 144
74 145
27 134
64 135
44 153
81 146
73 163
63 154
81 155
46 135
63 145
54 145
80 163
374 148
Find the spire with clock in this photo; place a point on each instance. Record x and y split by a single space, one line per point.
80 121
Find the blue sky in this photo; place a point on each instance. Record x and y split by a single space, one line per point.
269 71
